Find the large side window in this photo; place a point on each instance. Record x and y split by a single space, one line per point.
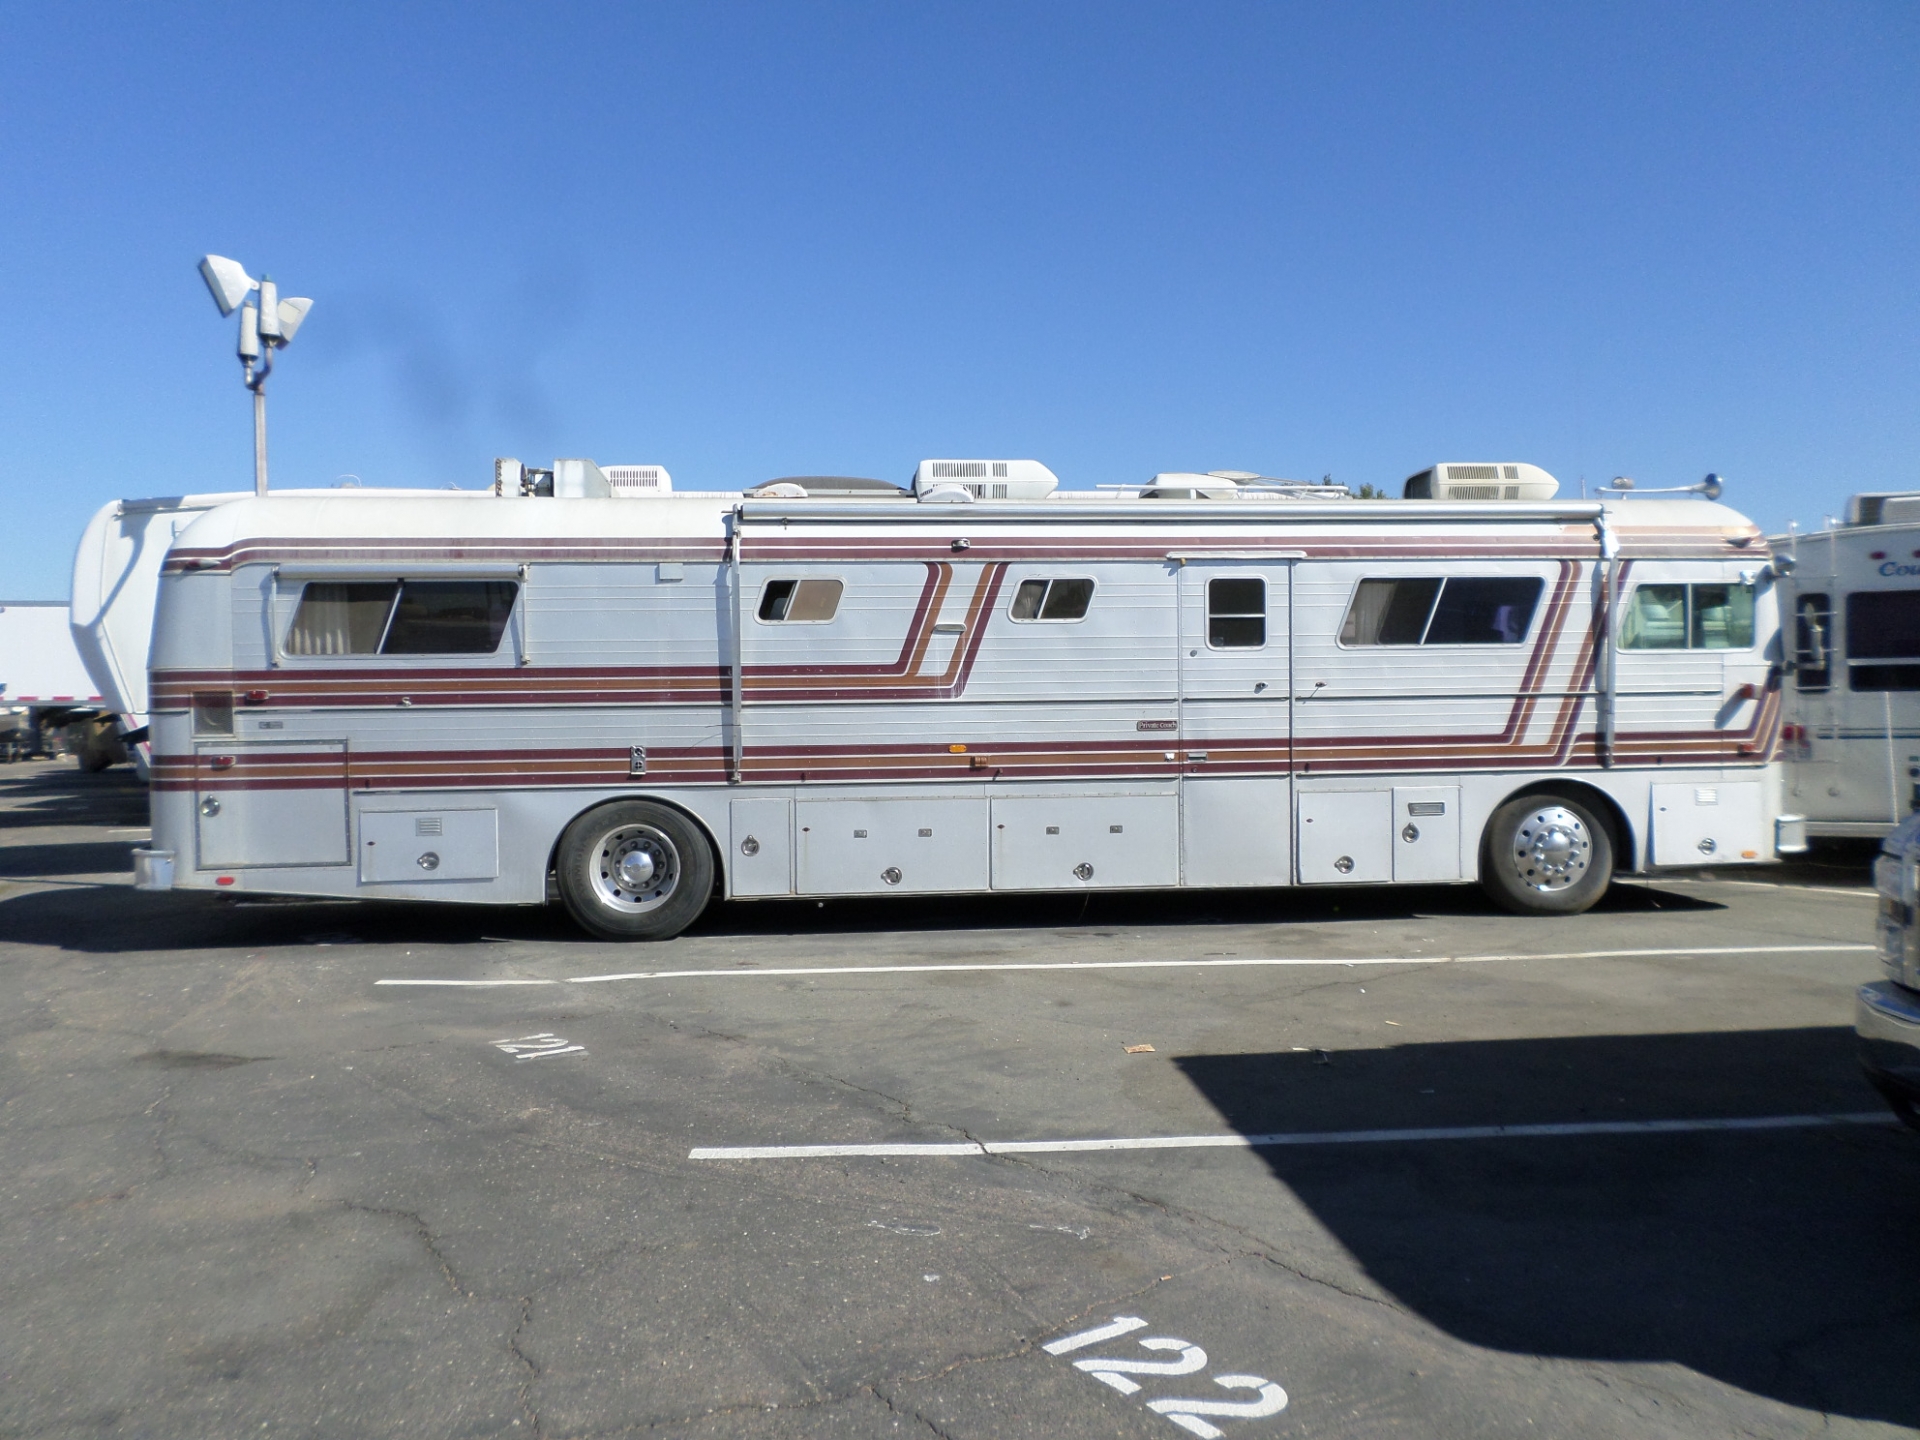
449 617
336 619
401 617
800 601
1688 617
1459 610
1812 642
1051 600
1236 613
1883 640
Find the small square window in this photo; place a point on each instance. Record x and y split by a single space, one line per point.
1236 613
1051 600
800 601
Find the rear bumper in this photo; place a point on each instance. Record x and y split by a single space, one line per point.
153 869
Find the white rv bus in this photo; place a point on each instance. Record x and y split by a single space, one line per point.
1851 718
979 684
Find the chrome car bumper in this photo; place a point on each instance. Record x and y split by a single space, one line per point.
1886 1018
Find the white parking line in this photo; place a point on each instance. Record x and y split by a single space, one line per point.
1210 963
1299 1137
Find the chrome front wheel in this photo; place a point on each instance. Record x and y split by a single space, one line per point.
1546 854
635 870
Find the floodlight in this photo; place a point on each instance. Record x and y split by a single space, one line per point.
266 325
1710 487
227 279
292 312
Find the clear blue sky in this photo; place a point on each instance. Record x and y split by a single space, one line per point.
754 240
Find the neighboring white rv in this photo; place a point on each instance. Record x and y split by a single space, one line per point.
1851 731
43 685
981 684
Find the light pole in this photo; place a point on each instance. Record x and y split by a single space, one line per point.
265 326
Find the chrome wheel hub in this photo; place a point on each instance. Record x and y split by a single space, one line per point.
635 868
1552 849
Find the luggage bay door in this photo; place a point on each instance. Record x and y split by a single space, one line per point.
1236 718
266 805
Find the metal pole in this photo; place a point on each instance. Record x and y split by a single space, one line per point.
259 440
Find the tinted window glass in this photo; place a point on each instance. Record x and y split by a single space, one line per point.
1067 600
1722 617
800 600
336 619
1812 642
1051 600
1236 613
1883 677
1491 611
1883 625
1389 612
450 617
1656 619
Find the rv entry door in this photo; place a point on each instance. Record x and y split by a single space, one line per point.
1236 718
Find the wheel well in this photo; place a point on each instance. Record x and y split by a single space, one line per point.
718 850
1604 807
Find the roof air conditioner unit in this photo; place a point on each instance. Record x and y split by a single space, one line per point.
1480 481
639 480
1876 506
987 479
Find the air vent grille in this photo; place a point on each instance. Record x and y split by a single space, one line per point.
961 469
1474 472
1473 492
426 825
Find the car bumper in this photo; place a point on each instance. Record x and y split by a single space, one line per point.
1886 1018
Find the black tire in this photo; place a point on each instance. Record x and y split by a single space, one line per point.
634 870
1545 855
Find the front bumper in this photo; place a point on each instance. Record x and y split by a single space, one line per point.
1886 1020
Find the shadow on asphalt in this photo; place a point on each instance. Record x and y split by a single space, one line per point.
1784 1262
40 794
115 919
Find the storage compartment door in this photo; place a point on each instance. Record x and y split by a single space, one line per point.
760 853
1234 831
879 847
1073 842
409 847
1346 837
1715 824
1426 833
260 805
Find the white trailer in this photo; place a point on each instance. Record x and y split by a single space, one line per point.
981 684
42 682
1851 730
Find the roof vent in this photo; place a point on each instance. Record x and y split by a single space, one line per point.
986 479
1481 482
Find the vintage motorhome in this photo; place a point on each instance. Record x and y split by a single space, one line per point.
1851 727
976 684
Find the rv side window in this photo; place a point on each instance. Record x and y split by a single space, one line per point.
1051 600
449 617
1459 610
1236 613
433 617
1812 632
797 601
1883 627
337 619
1689 617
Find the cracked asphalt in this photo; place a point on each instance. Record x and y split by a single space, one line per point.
249 1191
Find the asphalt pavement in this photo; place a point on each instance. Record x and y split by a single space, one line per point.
1368 1162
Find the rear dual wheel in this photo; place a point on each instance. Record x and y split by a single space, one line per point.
1546 855
634 870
